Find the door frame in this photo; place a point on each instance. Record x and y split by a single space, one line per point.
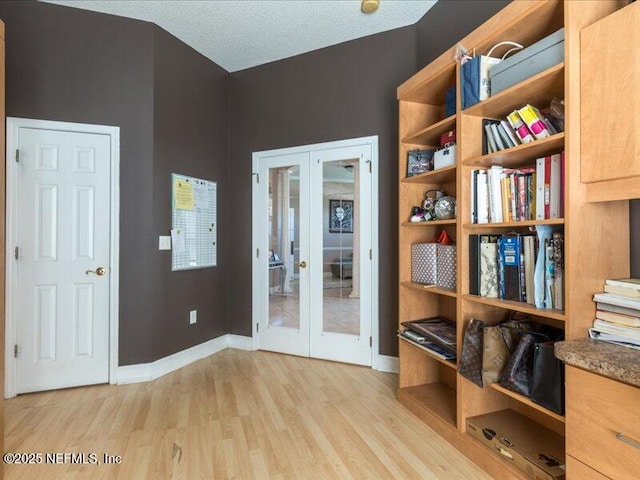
372 142
13 126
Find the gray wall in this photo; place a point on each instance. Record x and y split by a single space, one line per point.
78 66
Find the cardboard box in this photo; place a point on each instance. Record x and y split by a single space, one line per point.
424 263
446 266
444 158
528 62
530 447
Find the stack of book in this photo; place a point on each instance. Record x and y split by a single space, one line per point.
536 192
523 125
515 267
618 313
437 335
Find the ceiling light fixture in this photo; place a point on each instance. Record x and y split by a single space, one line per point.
370 6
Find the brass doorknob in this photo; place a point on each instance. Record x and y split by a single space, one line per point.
100 271
302 264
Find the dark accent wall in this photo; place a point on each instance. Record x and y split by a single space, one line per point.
344 91
169 101
77 66
450 20
190 138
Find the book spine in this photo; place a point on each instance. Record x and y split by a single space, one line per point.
496 137
474 264
474 199
491 143
504 188
547 187
554 187
510 258
522 195
510 133
540 188
483 197
496 195
521 129
531 117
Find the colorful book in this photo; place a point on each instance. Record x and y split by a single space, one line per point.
540 163
521 129
488 267
511 266
533 119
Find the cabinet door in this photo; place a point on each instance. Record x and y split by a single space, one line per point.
602 424
576 470
610 107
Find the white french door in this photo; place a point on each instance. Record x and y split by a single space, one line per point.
313 237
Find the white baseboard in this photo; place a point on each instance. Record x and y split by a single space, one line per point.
240 342
146 372
388 364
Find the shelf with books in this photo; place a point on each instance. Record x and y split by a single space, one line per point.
517 306
538 90
430 136
432 223
526 401
527 223
520 156
440 176
430 353
430 289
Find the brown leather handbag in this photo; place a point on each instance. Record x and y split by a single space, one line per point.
470 362
499 342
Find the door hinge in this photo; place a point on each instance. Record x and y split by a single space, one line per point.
257 253
369 162
17 156
370 254
370 342
257 176
15 351
257 327
16 253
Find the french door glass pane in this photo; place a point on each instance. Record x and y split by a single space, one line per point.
283 227
341 304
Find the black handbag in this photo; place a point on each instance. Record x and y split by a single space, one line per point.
547 383
516 376
470 362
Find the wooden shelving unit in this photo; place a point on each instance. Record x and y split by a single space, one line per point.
430 387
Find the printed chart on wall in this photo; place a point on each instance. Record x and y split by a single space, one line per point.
193 231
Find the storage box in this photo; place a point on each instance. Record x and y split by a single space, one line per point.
423 263
444 158
528 62
446 266
530 447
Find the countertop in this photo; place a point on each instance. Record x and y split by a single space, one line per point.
607 359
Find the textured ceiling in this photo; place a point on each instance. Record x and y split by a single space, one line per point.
239 34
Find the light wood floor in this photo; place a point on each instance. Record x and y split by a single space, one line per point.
238 415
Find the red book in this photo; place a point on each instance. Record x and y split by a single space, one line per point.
547 187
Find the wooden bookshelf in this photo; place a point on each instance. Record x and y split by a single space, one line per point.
430 289
442 175
521 156
435 392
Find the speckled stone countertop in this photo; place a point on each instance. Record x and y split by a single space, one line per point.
607 359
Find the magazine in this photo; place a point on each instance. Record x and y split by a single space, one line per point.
437 329
431 347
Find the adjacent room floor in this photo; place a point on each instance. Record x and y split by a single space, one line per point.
236 414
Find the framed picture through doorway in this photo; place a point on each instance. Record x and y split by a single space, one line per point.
340 216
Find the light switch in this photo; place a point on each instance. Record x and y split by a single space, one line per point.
164 242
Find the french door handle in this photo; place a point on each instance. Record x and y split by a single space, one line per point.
302 264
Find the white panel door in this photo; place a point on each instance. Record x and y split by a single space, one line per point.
63 265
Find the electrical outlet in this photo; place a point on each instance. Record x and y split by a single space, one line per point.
193 317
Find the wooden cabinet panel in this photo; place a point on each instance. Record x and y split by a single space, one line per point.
610 74
576 470
599 411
